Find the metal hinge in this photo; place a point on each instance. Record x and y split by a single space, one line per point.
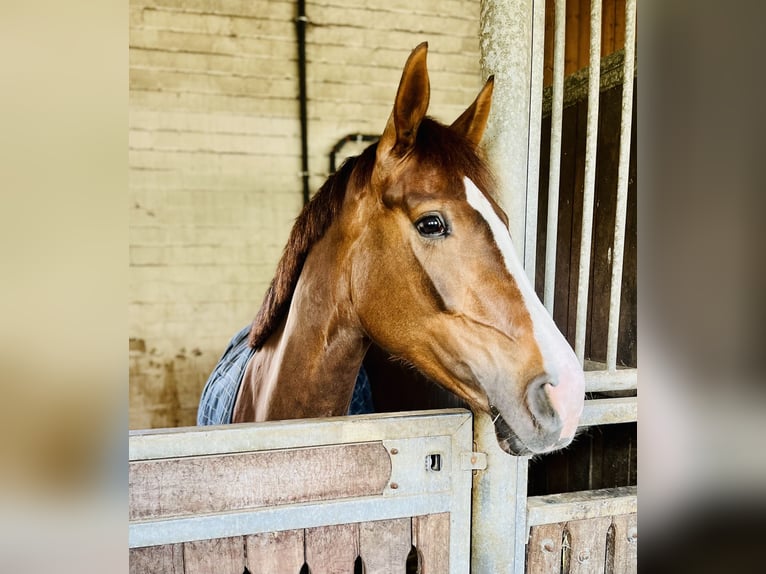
473 460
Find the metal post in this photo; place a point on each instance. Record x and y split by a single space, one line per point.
626 123
499 510
505 38
594 77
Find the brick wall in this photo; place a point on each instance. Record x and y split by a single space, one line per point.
214 156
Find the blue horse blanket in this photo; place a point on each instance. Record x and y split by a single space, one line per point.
216 404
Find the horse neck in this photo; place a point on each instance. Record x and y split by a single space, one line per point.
307 368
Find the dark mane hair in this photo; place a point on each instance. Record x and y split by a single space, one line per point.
436 145
309 227
453 154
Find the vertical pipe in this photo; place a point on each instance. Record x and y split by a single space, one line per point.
535 128
300 27
626 125
505 37
554 177
499 508
505 41
594 77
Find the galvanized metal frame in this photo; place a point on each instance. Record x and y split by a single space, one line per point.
418 492
499 534
484 489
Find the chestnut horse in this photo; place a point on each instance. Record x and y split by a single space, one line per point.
405 248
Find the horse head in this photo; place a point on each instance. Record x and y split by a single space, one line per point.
434 278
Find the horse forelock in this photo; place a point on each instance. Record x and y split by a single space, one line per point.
453 154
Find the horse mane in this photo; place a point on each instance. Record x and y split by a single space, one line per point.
436 145
309 227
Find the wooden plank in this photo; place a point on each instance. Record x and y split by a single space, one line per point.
187 486
548 51
619 25
583 34
544 549
604 221
384 545
572 34
575 223
275 552
332 549
627 353
625 544
587 552
219 555
552 508
607 27
165 559
431 538
618 445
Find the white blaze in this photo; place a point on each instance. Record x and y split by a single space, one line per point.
559 359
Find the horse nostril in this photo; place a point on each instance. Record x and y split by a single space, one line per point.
539 401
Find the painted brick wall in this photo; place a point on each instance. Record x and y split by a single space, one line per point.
214 156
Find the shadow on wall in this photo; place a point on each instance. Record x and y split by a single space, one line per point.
165 388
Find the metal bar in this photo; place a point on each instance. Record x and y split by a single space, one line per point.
300 30
285 517
619 380
462 494
555 508
196 441
535 125
554 173
591 141
609 411
626 124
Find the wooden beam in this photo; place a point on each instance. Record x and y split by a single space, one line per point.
555 508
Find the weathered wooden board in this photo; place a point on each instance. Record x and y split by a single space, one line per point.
219 555
431 538
275 552
587 552
332 549
551 508
186 486
625 544
544 549
166 559
384 545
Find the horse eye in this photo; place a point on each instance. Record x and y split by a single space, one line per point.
431 225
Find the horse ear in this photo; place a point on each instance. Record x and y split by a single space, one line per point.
473 121
409 107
